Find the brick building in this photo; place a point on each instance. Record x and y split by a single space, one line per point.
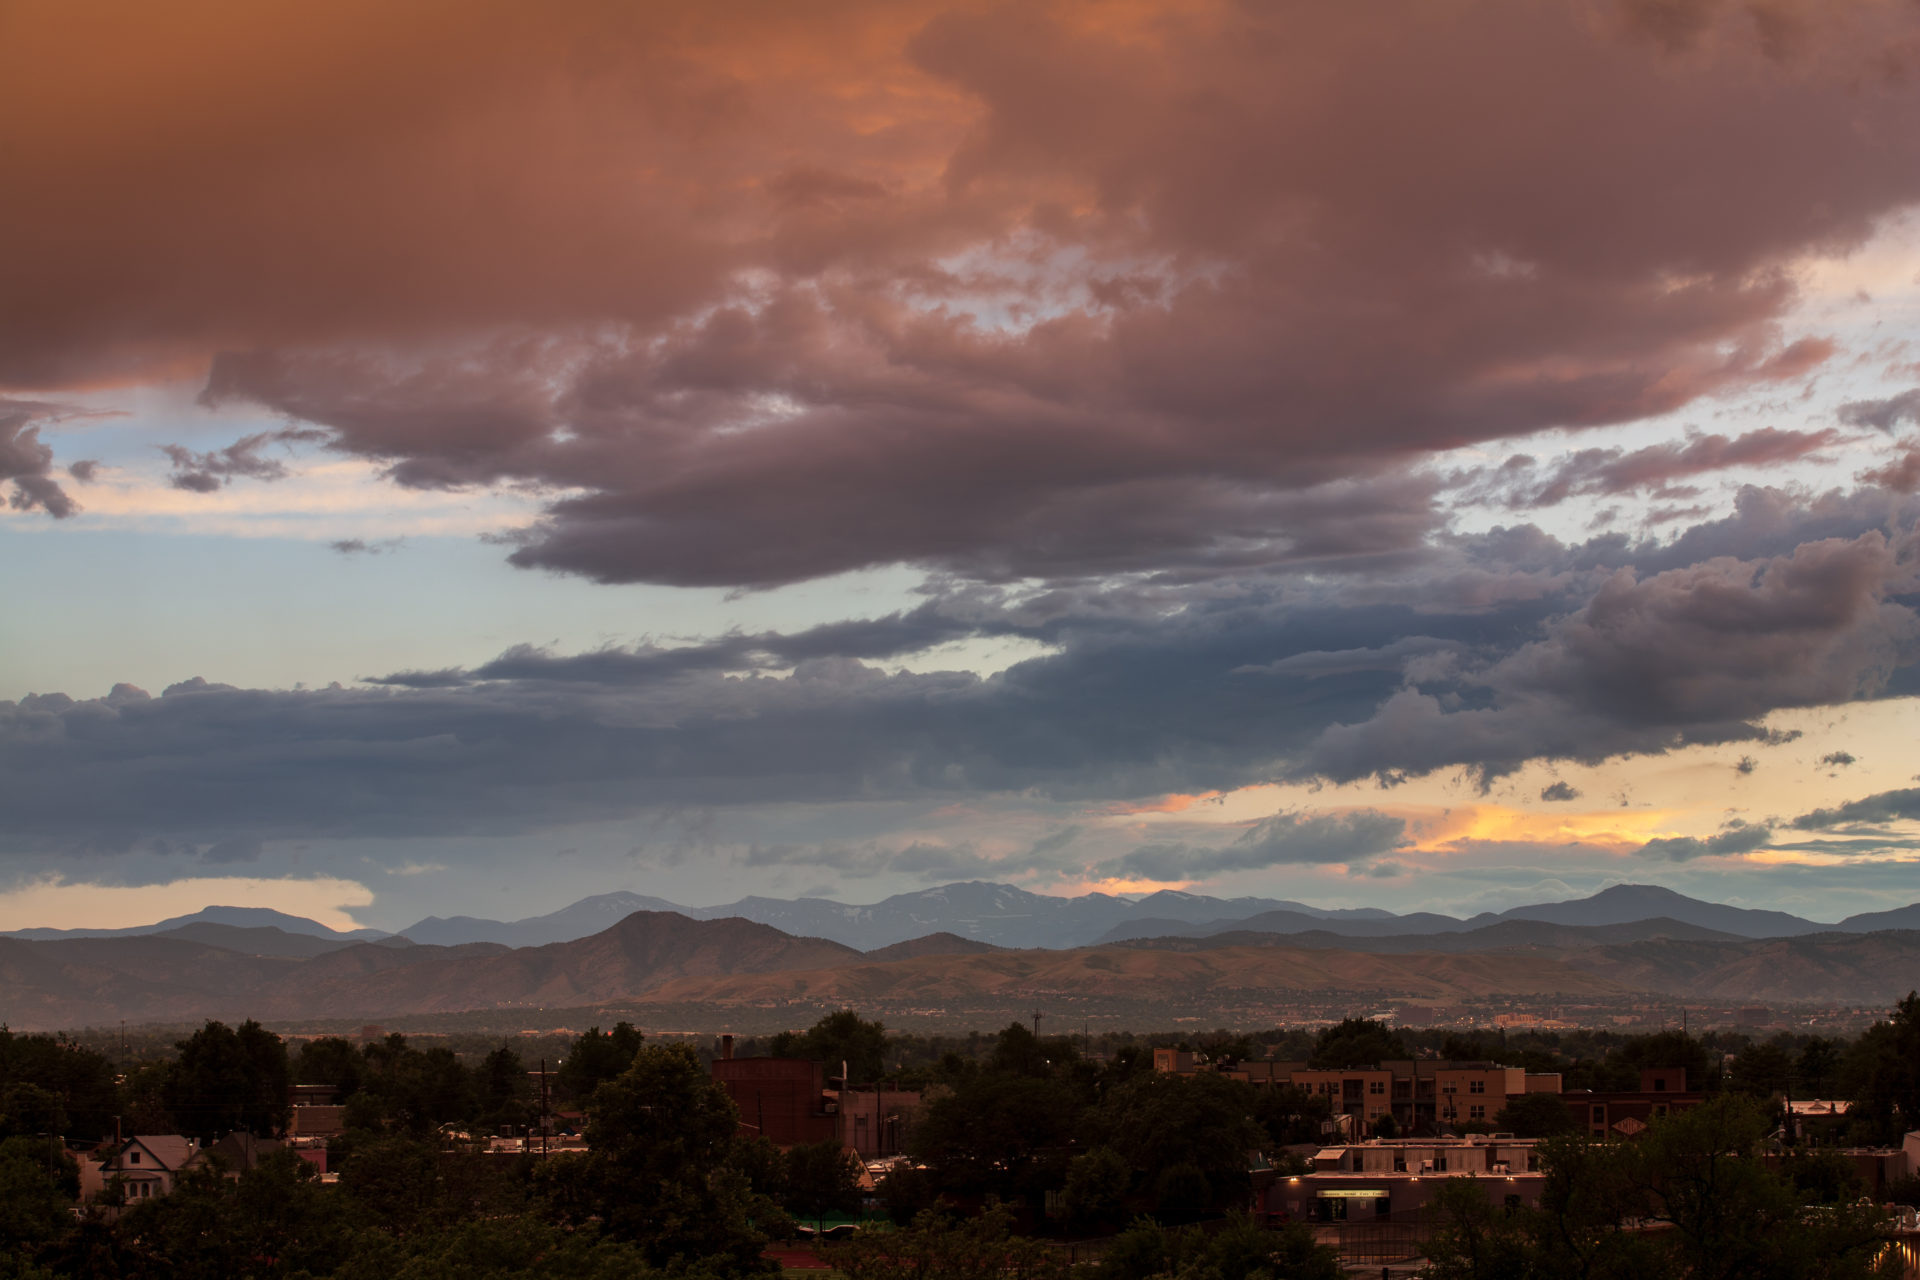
1625 1115
785 1100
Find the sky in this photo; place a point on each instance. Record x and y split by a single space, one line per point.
462 457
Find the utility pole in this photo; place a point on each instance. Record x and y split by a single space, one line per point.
545 1143
1036 1024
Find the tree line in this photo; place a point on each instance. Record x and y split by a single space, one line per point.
1018 1133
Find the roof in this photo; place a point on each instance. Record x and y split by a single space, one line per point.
169 1150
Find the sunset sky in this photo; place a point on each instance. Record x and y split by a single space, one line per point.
460 457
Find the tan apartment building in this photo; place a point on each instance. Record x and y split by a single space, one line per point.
1421 1095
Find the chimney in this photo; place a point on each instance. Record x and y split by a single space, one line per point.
726 1048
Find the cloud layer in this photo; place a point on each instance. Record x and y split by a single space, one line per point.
1048 290
1530 648
1139 330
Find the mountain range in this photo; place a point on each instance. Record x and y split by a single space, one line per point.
750 975
1006 916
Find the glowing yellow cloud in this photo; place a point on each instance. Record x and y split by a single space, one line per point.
54 903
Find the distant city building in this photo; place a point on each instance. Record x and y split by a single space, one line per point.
1420 1095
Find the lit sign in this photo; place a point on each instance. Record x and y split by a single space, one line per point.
1345 1194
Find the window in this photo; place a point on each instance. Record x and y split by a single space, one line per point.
1478 1111
1439 1163
1449 1087
1659 1084
1376 1086
1599 1114
133 1157
1476 1086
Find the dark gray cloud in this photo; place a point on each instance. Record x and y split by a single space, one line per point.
1651 662
1839 759
204 472
1884 806
362 547
1520 482
1526 647
1559 791
27 461
1736 839
1884 414
1285 839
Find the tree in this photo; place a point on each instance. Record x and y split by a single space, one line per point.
1291 1115
1476 1240
393 1180
982 1247
1240 1250
839 1037
1535 1115
1159 1123
596 1057
274 1220
822 1178
1017 1051
27 1110
514 1247
504 1092
1357 1042
403 1088
1734 1217
80 1080
1672 1049
1763 1070
906 1192
1097 1184
1881 1073
1727 1214
330 1060
227 1079
986 1135
657 1171
1817 1066
37 1183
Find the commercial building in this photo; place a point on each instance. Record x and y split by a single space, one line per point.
1381 1179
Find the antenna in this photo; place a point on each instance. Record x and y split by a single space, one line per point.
1036 1024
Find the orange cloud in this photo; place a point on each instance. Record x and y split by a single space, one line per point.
1614 830
1173 803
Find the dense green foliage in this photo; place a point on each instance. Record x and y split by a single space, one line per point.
1240 1251
843 1037
1018 1130
1692 1198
